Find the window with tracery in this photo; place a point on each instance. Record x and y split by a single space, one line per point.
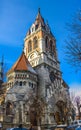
29 46
35 43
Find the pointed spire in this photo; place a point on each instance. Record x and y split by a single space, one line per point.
39 19
39 14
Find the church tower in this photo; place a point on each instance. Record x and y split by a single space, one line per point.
40 49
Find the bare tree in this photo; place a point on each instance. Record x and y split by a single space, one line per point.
73 42
77 101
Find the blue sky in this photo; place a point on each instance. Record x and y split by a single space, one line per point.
16 16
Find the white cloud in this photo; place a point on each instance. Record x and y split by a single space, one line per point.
75 88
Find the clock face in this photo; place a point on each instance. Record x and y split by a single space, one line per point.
52 76
33 55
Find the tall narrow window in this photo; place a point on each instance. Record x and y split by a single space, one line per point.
29 46
46 42
35 43
51 44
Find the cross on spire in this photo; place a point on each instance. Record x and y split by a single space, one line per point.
39 10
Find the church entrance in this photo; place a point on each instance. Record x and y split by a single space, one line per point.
61 106
57 117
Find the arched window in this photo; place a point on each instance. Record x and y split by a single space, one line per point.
51 46
46 42
29 46
24 83
16 83
35 43
20 83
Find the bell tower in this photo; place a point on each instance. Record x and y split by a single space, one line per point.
40 44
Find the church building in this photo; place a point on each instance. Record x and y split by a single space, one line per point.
35 92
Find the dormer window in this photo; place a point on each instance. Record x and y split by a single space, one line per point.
36 26
32 29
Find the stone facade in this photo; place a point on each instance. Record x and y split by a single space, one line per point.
35 90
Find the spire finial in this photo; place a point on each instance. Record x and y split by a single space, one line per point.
39 10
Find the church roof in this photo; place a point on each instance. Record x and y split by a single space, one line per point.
22 64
